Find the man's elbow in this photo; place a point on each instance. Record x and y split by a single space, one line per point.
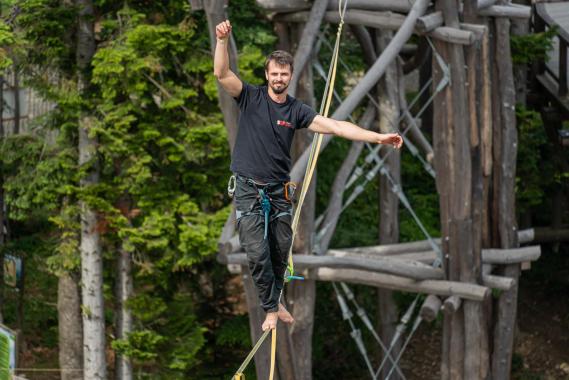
218 74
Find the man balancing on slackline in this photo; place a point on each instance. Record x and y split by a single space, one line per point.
261 164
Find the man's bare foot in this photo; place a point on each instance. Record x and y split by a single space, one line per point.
284 315
270 321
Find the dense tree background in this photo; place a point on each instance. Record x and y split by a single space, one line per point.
164 160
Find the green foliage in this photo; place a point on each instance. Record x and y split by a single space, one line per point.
6 40
532 47
234 332
534 171
47 30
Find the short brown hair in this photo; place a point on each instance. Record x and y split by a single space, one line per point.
281 57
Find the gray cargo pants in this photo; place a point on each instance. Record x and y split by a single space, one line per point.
267 254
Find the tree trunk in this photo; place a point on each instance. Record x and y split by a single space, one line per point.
389 109
70 329
16 90
90 245
123 324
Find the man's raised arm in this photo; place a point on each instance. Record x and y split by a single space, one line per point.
227 78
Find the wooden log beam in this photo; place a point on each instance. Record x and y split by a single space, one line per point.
430 308
543 235
395 249
512 255
372 5
453 35
451 304
508 11
426 257
429 22
410 269
485 3
283 6
375 5
437 287
498 282
379 20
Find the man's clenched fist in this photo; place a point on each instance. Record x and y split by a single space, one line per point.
223 29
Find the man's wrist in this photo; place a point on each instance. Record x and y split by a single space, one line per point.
380 138
221 40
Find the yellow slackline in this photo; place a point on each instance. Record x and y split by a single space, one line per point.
273 353
311 166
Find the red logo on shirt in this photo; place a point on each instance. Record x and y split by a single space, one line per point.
284 123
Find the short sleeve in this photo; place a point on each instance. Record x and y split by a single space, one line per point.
305 116
244 98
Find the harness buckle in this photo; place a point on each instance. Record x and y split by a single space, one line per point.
231 186
289 190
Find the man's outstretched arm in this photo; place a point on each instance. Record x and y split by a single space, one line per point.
350 131
227 78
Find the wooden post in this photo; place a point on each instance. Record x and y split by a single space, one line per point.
506 229
301 296
389 110
563 45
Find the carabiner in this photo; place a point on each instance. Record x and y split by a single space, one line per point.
231 186
289 189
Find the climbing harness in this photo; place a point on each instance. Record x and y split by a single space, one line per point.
262 197
311 166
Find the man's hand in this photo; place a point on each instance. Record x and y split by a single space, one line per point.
222 30
394 139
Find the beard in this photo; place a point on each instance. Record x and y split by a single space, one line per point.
281 89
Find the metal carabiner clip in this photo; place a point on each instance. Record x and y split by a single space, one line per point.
231 186
289 190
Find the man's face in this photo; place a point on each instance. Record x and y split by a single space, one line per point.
278 77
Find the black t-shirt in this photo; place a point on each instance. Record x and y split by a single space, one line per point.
265 132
